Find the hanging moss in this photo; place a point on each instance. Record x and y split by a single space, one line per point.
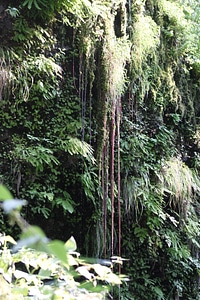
180 183
5 71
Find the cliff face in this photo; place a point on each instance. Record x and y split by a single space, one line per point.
100 131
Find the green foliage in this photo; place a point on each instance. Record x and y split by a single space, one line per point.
75 146
146 36
90 183
180 183
37 159
5 194
49 273
37 267
47 10
37 156
13 11
67 68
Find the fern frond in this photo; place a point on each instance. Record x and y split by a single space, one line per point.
75 146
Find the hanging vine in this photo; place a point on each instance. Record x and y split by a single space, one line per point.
104 39
115 56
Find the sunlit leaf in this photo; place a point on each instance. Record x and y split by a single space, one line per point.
83 270
20 291
44 273
57 248
88 285
5 288
113 279
30 278
102 271
71 260
7 238
20 274
70 245
4 193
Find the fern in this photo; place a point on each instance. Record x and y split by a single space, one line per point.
179 182
75 146
37 156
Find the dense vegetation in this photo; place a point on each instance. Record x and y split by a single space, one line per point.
36 267
100 132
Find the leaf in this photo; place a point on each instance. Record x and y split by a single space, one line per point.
88 285
20 274
106 274
5 288
44 274
57 248
70 245
71 260
30 278
7 238
102 271
118 259
67 206
20 292
4 193
65 203
28 3
25 2
36 4
83 270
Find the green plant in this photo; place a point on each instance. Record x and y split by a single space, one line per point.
180 183
40 268
103 95
37 156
